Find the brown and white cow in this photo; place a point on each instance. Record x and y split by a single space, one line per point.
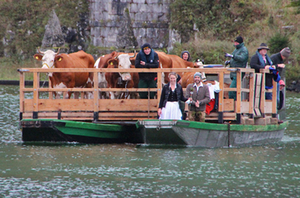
79 59
174 61
122 79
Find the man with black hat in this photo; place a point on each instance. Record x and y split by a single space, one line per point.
147 58
260 60
239 59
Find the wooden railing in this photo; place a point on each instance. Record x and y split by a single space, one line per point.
44 106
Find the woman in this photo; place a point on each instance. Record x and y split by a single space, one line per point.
169 101
185 55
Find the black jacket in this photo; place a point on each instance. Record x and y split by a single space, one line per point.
153 64
255 64
277 59
166 92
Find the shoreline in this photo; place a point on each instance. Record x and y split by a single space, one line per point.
17 82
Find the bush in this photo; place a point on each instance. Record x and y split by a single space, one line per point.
278 42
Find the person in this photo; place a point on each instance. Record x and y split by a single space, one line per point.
278 60
260 60
171 95
238 59
198 96
147 58
281 95
185 55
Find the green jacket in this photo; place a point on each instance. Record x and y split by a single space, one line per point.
240 58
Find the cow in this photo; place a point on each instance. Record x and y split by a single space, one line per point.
80 59
173 61
122 79
115 58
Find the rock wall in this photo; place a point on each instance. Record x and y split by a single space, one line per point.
148 20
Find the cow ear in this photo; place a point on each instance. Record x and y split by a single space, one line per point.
112 62
58 58
132 61
37 57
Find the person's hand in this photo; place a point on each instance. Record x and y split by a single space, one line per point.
142 62
281 65
267 67
228 55
159 111
197 104
227 62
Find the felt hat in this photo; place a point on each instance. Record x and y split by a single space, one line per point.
263 46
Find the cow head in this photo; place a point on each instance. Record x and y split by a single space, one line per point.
48 58
122 61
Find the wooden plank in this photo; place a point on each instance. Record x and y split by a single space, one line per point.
251 93
87 105
22 86
35 91
221 93
228 104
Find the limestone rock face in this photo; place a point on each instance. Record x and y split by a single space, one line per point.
53 36
125 36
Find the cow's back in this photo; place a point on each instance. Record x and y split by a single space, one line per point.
82 59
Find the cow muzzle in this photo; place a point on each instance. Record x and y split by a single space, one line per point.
125 76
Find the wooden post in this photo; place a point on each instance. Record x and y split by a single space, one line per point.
274 99
96 96
251 94
221 96
36 82
22 86
238 95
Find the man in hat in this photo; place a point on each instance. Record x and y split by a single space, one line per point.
147 58
238 59
278 60
260 60
198 96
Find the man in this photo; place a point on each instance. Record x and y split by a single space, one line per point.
147 58
198 95
260 60
278 60
239 58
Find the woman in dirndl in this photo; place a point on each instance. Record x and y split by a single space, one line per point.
169 101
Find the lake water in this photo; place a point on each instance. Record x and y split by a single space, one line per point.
73 170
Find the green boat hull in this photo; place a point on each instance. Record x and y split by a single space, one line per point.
208 135
44 130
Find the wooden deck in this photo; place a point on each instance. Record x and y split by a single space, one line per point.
38 102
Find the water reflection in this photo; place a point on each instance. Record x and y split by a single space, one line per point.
77 170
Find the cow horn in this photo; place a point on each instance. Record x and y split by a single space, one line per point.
41 52
58 51
133 54
117 56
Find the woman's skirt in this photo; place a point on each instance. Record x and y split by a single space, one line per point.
171 111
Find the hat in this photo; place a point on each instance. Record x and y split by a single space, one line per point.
178 78
281 82
285 52
145 46
263 46
239 39
198 74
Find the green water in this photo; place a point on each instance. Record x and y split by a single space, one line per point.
73 170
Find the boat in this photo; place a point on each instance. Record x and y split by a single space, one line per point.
250 120
208 135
